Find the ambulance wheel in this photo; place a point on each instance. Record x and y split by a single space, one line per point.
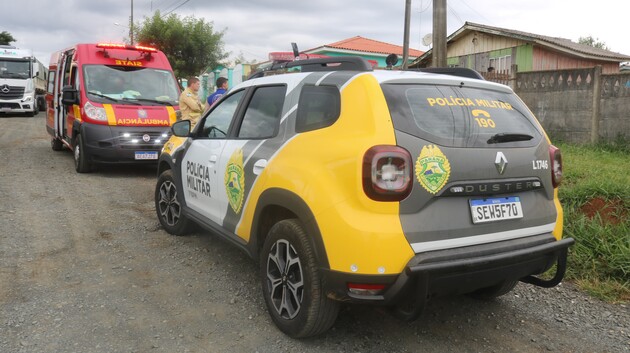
292 284
81 158
168 206
56 144
495 291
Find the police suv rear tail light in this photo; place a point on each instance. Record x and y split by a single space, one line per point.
387 173
556 165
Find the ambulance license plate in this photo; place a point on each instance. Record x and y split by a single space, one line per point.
495 209
144 155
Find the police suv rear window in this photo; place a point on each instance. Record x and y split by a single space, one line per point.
318 107
461 116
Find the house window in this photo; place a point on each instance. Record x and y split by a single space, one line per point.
501 64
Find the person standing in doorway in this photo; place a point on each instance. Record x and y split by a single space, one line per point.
222 86
189 103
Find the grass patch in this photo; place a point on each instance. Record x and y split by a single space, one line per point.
595 195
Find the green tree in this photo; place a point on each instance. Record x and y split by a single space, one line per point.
6 38
593 42
191 45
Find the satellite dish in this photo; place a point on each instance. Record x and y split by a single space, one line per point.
391 60
427 39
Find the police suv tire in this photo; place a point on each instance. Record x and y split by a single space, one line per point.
81 158
495 291
169 207
292 284
56 144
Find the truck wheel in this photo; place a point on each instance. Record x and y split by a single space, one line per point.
168 206
56 144
291 283
495 291
81 158
41 104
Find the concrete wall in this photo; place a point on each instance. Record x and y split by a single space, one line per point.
615 106
564 103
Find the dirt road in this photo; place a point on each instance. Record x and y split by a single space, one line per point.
85 267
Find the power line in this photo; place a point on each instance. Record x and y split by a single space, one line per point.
165 7
156 4
475 11
180 5
454 13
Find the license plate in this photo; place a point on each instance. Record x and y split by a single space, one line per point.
142 155
495 209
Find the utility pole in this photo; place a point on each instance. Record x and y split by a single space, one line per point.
439 33
131 24
406 35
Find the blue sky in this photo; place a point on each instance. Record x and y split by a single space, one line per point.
254 28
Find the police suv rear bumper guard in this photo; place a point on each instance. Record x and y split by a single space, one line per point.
415 291
512 256
456 271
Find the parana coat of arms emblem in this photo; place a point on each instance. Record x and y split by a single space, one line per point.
432 169
235 181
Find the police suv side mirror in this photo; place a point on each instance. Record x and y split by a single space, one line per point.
69 95
181 128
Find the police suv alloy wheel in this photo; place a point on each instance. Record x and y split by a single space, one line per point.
291 282
168 206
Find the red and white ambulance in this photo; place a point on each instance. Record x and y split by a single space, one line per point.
110 103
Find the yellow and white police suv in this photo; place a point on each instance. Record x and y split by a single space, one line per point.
362 186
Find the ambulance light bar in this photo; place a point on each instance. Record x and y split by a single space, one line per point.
126 46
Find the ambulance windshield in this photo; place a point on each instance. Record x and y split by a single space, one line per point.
133 86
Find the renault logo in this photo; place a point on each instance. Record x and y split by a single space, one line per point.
5 89
500 162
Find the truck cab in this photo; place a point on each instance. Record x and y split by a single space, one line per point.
17 87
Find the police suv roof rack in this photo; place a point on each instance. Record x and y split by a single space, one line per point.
339 63
454 71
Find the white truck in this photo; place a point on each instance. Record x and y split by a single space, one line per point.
19 81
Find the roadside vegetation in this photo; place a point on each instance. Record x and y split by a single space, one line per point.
190 44
595 194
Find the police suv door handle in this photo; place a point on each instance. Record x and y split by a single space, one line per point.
259 166
213 160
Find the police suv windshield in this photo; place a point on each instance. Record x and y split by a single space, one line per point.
129 85
461 116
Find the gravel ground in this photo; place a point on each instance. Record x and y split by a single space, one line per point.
85 267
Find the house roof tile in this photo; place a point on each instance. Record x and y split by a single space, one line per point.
359 43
